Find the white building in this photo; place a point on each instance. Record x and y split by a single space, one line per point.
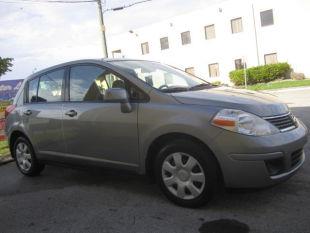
211 42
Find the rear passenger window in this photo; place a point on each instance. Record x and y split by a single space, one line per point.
50 86
32 90
89 83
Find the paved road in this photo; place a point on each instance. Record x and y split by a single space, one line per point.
71 200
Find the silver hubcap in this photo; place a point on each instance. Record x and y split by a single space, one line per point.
183 175
23 156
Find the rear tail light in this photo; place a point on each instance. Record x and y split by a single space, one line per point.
9 109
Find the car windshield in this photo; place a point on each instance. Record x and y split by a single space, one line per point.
163 77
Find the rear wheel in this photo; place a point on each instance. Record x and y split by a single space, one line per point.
187 173
25 158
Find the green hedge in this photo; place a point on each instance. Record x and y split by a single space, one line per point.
260 74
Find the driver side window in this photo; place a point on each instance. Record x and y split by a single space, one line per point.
89 83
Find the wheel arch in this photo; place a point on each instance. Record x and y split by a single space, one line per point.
160 141
12 139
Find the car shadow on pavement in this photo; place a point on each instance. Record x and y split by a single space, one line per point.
60 177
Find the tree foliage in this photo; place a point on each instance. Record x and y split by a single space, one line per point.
5 65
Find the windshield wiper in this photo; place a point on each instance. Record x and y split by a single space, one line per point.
201 86
174 89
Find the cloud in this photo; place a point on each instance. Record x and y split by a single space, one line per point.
48 34
151 12
38 35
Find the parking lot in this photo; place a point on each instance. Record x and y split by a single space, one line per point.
75 200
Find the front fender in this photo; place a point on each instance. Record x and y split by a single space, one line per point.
156 120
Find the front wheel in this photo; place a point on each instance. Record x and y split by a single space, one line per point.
25 158
187 173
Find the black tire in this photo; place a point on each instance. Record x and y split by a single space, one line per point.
207 163
36 167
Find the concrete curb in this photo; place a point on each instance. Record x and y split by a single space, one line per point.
6 159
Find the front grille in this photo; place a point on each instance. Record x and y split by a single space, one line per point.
283 122
296 157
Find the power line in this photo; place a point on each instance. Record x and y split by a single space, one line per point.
135 3
125 6
47 1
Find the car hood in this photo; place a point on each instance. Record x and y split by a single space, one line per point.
258 103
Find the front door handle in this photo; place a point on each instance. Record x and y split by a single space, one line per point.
28 112
71 113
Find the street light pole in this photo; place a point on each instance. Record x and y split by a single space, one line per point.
255 34
102 29
245 74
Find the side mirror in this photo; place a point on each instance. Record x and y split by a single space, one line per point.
118 95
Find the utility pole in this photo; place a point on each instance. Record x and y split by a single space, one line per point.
255 32
102 29
101 21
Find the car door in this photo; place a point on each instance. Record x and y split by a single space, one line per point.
96 130
42 112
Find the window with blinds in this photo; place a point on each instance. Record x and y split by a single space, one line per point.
210 32
271 58
214 70
145 48
117 53
236 25
190 70
186 38
164 43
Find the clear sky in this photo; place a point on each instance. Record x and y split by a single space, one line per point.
38 35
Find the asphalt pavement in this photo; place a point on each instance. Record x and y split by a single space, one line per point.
75 200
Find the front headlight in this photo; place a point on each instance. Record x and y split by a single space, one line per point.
243 123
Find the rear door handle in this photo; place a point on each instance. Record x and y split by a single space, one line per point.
71 113
28 112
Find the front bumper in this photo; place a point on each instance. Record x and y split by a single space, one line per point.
253 162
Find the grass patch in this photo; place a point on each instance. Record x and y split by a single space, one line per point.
279 84
4 148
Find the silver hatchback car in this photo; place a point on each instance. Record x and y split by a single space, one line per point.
153 119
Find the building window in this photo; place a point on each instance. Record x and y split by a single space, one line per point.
145 48
164 43
236 25
190 70
266 18
239 64
271 58
186 38
214 70
117 53
210 32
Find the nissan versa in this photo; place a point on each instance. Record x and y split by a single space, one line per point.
151 118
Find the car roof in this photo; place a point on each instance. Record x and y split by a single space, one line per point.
94 61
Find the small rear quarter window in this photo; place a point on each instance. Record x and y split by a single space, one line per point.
32 90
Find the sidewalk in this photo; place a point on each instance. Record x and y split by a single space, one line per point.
5 159
288 89
294 97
